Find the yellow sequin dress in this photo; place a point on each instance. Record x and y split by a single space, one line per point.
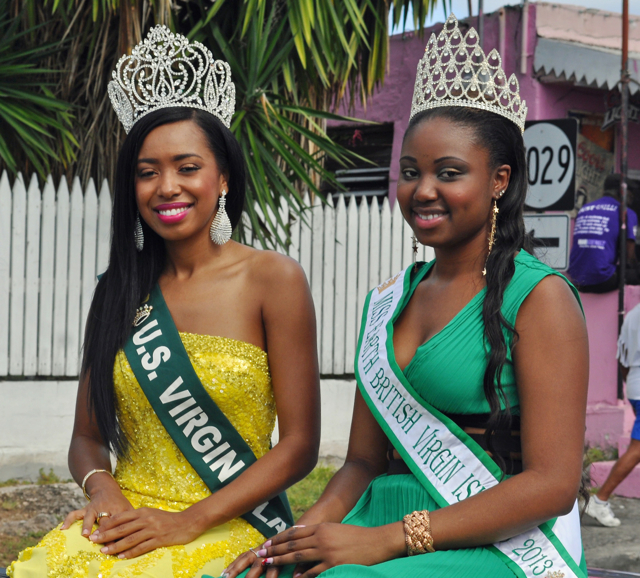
155 474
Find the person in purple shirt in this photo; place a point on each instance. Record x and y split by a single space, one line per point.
593 262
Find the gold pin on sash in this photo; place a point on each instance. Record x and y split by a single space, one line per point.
556 574
387 283
142 314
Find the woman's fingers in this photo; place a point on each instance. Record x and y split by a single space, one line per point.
287 547
297 557
240 564
293 533
115 520
257 568
138 550
300 569
89 519
118 534
313 572
273 572
128 543
72 517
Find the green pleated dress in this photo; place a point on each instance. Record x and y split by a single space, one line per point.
447 371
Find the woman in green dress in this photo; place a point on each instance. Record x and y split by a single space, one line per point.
468 428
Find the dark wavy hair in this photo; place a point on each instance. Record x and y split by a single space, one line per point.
503 140
131 275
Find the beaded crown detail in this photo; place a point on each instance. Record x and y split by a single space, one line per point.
164 70
455 71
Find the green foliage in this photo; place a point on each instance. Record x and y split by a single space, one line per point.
9 505
14 482
284 142
32 120
293 62
50 478
597 454
306 492
11 546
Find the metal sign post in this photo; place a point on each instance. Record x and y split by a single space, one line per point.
624 125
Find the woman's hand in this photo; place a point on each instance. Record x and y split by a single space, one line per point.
315 549
136 532
103 500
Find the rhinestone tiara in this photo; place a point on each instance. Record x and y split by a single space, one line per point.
164 70
455 71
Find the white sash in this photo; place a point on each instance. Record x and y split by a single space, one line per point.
449 464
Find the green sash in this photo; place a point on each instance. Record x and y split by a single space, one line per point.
204 435
448 463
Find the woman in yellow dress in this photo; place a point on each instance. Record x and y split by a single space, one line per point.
190 422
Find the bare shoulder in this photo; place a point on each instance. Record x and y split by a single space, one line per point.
552 305
274 271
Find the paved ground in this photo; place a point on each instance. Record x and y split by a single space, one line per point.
614 548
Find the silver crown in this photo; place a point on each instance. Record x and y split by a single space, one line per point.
164 70
454 71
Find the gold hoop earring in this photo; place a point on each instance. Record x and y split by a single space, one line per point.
492 233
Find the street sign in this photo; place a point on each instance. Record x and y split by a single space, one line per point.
612 116
551 158
551 238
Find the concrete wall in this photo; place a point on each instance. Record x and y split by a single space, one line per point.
37 421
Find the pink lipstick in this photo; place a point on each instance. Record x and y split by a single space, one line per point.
170 213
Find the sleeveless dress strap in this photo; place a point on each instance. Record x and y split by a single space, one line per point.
529 272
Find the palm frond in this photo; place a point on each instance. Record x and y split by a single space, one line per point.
294 63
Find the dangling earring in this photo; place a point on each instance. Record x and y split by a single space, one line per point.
414 241
138 235
492 234
221 229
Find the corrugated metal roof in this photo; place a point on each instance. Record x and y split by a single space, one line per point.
587 65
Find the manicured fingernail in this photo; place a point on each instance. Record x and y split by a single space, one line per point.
266 544
267 562
121 556
104 550
95 537
262 553
297 574
85 532
303 526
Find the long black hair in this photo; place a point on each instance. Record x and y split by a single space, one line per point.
131 275
503 140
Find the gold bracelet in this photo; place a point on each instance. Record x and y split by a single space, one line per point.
89 474
417 533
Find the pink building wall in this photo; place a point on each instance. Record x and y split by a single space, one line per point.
392 102
607 418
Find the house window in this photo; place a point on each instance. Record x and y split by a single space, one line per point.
373 142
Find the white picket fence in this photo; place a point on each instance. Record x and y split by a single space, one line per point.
54 243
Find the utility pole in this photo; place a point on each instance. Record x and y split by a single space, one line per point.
624 138
481 22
